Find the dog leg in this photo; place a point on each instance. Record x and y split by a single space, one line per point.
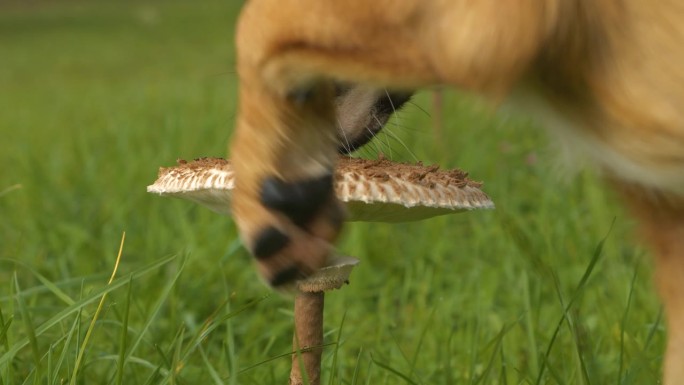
662 225
289 54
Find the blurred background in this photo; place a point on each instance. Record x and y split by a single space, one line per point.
96 95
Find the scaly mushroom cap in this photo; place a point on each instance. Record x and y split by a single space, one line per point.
374 190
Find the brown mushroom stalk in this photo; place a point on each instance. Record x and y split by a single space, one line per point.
308 338
308 318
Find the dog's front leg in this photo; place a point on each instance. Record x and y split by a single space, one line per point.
289 54
283 155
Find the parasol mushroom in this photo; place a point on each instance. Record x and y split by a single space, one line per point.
373 191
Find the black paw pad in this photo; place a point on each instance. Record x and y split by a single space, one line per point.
299 201
286 276
269 242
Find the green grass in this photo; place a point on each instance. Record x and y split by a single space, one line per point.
549 288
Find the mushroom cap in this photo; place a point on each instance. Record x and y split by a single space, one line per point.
330 277
373 190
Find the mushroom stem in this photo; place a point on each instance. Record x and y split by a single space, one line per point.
308 338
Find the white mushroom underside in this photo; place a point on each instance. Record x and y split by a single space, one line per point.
399 200
368 198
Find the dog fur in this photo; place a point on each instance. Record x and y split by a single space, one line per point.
611 68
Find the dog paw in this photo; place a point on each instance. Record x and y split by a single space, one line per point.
290 227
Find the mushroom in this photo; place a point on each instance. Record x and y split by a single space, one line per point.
373 191
308 316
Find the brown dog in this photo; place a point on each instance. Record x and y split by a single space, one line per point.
614 69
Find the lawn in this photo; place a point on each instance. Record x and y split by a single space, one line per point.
549 288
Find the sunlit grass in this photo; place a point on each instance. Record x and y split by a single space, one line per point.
549 288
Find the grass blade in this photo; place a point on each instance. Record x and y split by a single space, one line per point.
355 375
91 327
121 363
9 189
211 324
28 325
498 343
393 371
333 368
5 328
47 284
65 349
76 307
155 311
419 346
578 290
212 371
623 325
279 356
529 325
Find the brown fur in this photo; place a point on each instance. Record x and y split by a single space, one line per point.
612 68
